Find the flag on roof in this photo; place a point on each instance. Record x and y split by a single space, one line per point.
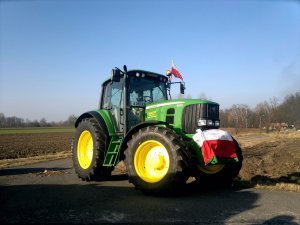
175 72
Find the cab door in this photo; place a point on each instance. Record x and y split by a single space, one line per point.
112 99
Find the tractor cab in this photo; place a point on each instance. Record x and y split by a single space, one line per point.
127 93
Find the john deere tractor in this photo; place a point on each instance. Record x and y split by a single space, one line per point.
138 123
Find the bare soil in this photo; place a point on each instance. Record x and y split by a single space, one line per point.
13 146
271 159
275 159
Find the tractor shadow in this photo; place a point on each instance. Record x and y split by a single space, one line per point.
100 203
116 201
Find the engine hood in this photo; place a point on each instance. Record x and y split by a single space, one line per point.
178 103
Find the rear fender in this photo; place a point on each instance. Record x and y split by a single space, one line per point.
102 117
112 141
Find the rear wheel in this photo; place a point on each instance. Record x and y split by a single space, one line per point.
88 149
219 175
157 161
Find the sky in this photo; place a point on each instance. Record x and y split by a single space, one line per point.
54 55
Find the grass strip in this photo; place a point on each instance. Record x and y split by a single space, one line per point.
37 130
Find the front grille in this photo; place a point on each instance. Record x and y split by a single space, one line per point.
192 114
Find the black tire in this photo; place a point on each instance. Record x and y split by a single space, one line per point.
170 159
224 177
88 165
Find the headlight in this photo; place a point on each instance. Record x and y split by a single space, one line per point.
201 123
209 122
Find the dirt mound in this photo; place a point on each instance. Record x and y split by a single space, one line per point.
273 160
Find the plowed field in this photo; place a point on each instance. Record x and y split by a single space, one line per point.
14 146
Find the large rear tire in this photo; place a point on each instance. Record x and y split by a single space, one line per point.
219 175
88 149
157 161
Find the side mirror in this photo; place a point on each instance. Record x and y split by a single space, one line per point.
116 75
182 88
125 68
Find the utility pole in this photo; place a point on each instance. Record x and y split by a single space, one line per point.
260 123
246 118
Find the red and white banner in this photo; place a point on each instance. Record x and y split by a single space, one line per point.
175 72
215 143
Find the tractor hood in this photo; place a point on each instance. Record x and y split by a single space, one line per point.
187 115
178 103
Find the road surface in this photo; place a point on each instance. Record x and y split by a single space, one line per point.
50 193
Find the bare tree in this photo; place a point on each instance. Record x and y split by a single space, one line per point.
203 96
71 120
43 122
239 116
2 120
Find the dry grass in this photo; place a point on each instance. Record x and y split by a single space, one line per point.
7 163
282 186
47 173
252 139
279 187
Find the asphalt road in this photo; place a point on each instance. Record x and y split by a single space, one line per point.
29 194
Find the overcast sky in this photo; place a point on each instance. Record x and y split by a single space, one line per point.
54 55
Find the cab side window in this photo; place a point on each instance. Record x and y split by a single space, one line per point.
112 95
106 97
112 100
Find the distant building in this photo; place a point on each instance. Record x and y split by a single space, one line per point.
274 126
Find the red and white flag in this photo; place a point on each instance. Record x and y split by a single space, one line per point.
215 143
175 72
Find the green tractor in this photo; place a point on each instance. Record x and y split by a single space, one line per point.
138 123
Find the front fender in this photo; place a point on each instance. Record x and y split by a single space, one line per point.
135 129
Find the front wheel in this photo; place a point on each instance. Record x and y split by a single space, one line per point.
156 160
219 175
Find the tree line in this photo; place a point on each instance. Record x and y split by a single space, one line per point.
15 122
266 115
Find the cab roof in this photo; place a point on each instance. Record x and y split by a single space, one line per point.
146 73
133 72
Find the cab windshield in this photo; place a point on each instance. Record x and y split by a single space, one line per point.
146 90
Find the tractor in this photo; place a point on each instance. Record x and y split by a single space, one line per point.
138 123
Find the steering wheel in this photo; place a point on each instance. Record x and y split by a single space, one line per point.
147 98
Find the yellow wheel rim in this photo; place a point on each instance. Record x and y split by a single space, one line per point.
151 161
85 149
211 169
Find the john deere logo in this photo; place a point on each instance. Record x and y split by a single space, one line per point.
151 114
